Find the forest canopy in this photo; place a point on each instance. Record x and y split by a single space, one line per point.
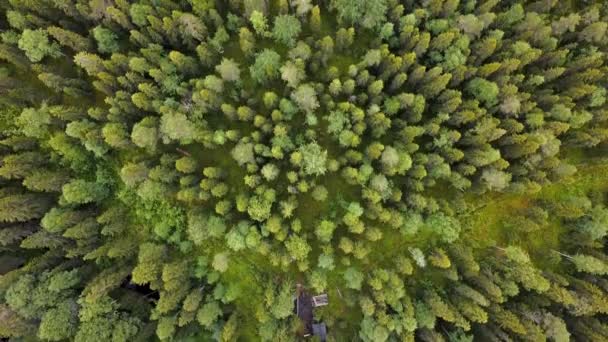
183 169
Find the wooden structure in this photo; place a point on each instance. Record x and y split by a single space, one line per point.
320 300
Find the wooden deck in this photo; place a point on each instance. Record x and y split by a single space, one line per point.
320 300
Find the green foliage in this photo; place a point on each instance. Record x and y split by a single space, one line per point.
325 230
258 20
483 90
243 153
58 323
369 14
229 70
208 314
594 224
145 134
270 172
80 191
282 303
447 228
266 66
201 227
176 126
353 278
297 247
286 29
185 165
314 160
149 257
220 262
259 207
107 41
320 193
436 167
36 45
590 264
306 98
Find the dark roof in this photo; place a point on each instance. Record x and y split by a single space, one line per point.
319 329
304 311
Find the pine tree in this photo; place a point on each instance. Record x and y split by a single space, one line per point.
148 268
22 207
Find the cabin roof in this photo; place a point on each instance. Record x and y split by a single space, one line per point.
304 311
320 329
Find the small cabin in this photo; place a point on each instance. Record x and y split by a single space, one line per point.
304 305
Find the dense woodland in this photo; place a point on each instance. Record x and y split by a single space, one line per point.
171 169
